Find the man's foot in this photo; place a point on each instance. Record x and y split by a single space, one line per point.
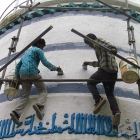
15 117
38 108
99 105
116 119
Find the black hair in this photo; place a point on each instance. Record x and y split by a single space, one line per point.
40 41
90 35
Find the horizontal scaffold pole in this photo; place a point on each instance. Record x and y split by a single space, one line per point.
75 8
120 11
58 80
29 45
103 47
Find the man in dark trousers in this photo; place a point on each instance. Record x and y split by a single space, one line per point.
27 69
107 70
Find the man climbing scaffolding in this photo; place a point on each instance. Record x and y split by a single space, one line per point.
27 69
107 70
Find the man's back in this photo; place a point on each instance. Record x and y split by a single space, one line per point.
30 62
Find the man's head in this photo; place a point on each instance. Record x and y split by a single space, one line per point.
92 36
40 43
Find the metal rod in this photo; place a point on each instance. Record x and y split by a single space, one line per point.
13 45
74 8
30 9
103 47
19 31
7 59
126 2
6 9
128 29
120 11
31 1
30 44
10 11
133 41
17 1
59 80
21 15
138 82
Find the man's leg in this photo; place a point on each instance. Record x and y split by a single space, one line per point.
41 87
99 101
15 114
109 89
92 86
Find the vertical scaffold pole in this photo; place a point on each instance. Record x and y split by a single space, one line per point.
29 45
14 42
131 40
132 31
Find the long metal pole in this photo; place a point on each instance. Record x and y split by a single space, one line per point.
120 11
75 8
59 80
19 31
6 9
128 29
13 45
17 1
103 47
10 11
30 44
126 2
131 37
7 59
131 40
128 25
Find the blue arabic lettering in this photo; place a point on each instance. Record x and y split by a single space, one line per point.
28 122
79 124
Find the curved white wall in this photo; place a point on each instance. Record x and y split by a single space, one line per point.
67 50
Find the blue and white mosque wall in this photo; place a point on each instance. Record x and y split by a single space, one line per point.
67 50
69 106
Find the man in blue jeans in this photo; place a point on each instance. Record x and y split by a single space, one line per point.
27 69
107 70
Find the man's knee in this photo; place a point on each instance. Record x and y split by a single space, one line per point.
91 83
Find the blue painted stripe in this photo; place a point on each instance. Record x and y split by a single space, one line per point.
75 88
68 46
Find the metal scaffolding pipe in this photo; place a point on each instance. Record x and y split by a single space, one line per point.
30 44
75 8
10 12
6 9
13 44
59 80
133 41
16 5
120 11
126 2
18 34
103 47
